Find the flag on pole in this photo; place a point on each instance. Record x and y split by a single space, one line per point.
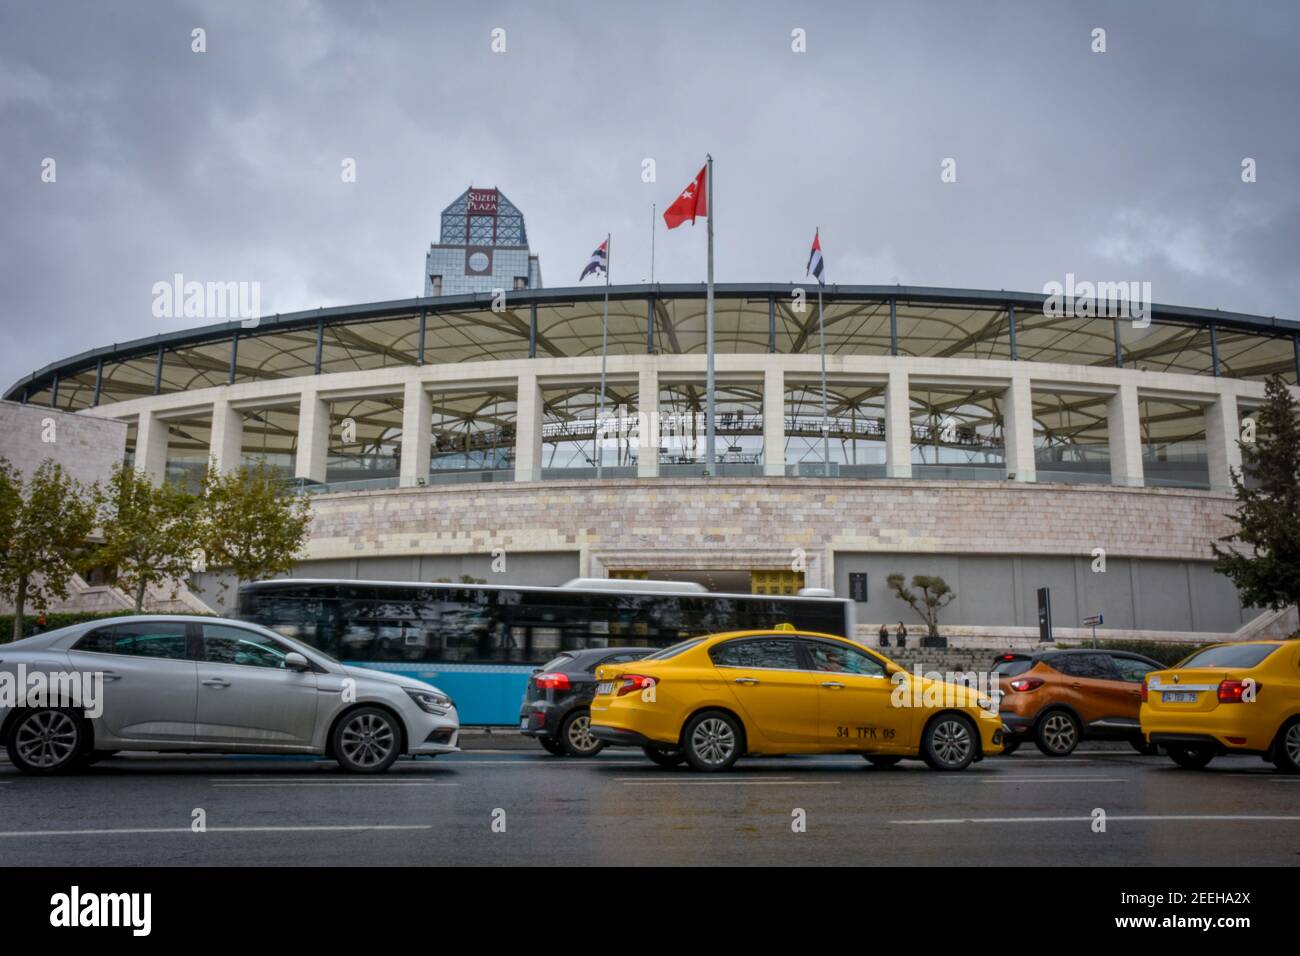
692 202
599 262
816 265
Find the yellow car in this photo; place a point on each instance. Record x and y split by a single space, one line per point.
1227 699
710 700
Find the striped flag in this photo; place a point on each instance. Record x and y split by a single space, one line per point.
599 263
816 265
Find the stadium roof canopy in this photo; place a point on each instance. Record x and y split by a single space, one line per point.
960 323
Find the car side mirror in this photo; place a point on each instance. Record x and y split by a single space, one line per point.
296 662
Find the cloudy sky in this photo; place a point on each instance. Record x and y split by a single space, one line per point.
225 165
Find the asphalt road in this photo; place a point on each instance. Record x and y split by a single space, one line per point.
618 809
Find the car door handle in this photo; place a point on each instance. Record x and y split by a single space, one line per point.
110 675
216 682
746 680
833 684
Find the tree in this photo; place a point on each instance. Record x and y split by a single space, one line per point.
935 594
250 523
149 532
1262 556
44 524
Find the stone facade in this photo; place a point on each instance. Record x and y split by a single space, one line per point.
758 523
86 447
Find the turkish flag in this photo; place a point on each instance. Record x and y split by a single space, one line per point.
691 203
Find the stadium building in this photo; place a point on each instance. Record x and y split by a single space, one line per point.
980 435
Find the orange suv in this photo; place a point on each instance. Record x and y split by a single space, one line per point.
1057 698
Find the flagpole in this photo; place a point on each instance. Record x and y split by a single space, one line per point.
652 243
826 432
708 385
604 352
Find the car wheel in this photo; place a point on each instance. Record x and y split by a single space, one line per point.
882 760
1057 734
575 734
664 756
1010 747
713 740
552 747
1286 750
949 742
47 741
367 740
1145 749
1190 757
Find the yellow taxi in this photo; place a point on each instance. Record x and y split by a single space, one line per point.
1227 699
710 700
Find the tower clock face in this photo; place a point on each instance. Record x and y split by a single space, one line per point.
478 261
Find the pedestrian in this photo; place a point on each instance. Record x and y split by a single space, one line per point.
884 635
901 633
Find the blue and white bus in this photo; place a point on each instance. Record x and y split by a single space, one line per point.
479 642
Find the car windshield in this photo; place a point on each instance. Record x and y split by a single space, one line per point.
1230 655
674 650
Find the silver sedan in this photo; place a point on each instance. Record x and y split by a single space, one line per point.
201 684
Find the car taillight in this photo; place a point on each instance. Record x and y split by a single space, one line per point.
552 681
1022 684
1232 691
633 683
1145 692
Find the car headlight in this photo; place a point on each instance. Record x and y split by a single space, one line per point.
431 701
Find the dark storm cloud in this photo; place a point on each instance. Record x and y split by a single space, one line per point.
225 165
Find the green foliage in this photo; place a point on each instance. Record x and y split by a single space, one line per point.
249 525
932 594
149 532
44 523
1263 553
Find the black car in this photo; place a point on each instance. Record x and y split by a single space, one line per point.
557 702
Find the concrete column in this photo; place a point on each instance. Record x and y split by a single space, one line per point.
417 422
1221 448
774 421
1125 430
313 437
226 439
898 426
151 447
528 429
1018 429
647 402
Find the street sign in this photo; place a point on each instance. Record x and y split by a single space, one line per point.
1093 622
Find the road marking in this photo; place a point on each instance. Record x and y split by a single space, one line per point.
769 782
1110 817
342 783
137 830
220 781
1053 780
552 762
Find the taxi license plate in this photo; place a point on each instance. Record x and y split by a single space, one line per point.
1179 697
605 687
523 723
